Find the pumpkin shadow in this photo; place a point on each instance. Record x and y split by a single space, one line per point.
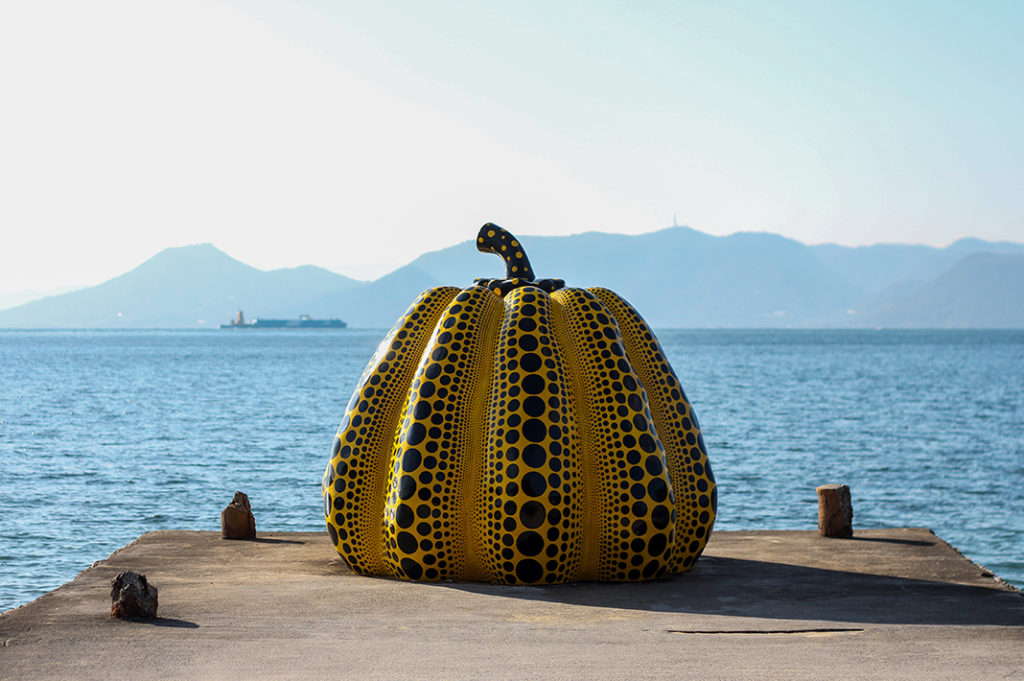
734 587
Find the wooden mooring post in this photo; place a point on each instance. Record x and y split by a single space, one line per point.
835 511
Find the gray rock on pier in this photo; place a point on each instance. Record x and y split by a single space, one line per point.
132 597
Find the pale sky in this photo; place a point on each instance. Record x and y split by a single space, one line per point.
357 135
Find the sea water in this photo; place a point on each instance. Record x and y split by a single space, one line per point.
105 435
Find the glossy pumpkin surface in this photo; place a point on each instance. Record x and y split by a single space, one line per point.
516 431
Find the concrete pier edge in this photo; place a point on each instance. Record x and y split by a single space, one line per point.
892 603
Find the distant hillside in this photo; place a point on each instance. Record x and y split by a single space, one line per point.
182 287
680 277
8 300
876 268
676 277
983 290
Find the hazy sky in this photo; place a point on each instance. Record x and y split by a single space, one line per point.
356 135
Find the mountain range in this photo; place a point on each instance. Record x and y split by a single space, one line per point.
676 277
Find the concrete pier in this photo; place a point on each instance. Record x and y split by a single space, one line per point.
887 604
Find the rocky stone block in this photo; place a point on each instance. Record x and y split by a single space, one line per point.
236 520
132 597
835 511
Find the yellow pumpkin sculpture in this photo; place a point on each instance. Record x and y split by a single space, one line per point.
519 432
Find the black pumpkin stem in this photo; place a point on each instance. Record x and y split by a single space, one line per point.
494 239
501 242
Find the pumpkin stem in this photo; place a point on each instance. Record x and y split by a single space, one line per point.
501 242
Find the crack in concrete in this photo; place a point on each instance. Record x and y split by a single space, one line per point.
823 630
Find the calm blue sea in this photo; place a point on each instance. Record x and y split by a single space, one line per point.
105 435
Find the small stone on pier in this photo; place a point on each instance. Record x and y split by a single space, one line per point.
132 597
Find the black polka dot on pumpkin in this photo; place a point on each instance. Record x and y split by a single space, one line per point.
421 410
534 430
660 517
530 543
534 455
533 384
411 460
657 544
404 516
528 342
532 514
528 570
533 406
417 432
406 487
406 542
534 484
411 568
657 489
530 362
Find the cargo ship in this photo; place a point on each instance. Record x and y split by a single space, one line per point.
303 322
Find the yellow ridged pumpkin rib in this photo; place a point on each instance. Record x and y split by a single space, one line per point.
355 478
421 534
472 499
634 486
579 401
678 430
531 520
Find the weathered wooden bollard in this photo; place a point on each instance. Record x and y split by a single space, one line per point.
132 597
236 520
835 511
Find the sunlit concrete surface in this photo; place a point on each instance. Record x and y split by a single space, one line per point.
888 604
